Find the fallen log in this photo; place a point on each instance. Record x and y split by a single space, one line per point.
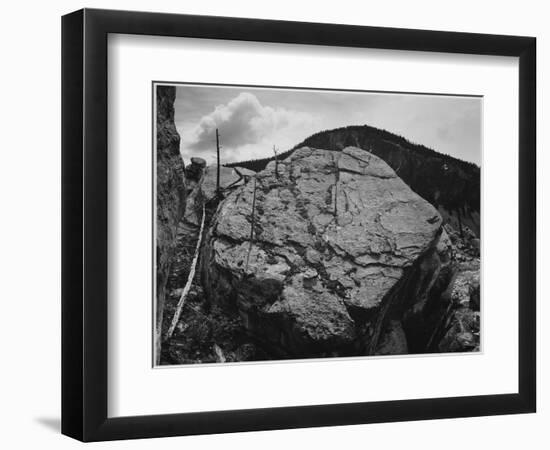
189 282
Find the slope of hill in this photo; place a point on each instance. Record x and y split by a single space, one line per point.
450 184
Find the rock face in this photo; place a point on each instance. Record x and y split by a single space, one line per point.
203 190
325 255
170 195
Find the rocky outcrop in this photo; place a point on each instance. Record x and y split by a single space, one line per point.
461 332
201 189
170 196
326 255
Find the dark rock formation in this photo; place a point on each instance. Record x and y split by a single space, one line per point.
195 169
393 341
170 196
451 185
341 252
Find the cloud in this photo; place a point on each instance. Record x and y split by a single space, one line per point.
241 122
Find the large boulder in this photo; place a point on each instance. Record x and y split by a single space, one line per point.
329 255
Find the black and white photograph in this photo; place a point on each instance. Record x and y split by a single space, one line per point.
266 225
296 223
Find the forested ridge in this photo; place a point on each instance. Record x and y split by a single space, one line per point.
439 178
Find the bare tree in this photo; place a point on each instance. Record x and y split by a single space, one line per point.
251 227
218 162
276 153
336 180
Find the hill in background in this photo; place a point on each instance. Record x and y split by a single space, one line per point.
448 183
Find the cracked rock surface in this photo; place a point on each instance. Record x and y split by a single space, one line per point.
331 236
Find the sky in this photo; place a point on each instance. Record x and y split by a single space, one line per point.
251 121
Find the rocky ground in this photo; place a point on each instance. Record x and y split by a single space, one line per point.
203 330
322 254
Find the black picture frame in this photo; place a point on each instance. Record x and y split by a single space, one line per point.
84 224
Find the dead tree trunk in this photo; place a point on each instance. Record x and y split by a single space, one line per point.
251 227
220 357
190 278
337 179
276 162
218 162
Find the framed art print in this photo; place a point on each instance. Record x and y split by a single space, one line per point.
336 228
351 242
